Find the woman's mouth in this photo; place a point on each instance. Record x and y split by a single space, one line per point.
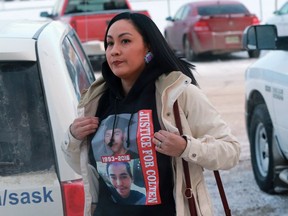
117 63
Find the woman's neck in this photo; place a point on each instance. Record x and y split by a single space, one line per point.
128 82
126 86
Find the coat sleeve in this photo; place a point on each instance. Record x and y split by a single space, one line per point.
210 142
71 149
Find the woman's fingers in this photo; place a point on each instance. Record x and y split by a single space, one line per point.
168 143
83 126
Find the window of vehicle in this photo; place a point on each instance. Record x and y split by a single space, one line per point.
178 14
82 6
284 9
185 13
210 10
25 137
74 40
80 74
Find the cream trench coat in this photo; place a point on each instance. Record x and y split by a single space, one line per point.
210 144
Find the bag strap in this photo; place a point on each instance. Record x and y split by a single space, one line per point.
222 193
188 191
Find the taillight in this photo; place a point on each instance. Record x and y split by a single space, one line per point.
201 26
255 20
73 198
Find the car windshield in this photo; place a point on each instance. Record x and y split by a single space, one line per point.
82 6
25 136
211 10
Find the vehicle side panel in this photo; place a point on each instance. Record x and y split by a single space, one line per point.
279 88
31 194
271 81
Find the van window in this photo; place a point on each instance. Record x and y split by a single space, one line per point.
74 40
25 136
77 64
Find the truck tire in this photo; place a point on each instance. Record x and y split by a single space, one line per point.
260 134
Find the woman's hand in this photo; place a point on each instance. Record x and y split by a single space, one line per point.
83 126
169 143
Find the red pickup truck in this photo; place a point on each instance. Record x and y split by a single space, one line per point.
90 19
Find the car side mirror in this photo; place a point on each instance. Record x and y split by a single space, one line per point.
277 12
260 37
263 37
45 14
169 19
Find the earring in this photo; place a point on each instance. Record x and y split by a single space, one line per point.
148 57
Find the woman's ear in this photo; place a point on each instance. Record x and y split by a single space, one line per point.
148 57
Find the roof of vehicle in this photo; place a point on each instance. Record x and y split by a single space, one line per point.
203 3
18 37
20 28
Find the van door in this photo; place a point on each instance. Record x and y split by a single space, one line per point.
278 78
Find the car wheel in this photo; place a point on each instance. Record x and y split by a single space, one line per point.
260 134
254 53
188 51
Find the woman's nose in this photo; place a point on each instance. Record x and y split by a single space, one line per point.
115 50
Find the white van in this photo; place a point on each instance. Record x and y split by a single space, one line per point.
43 69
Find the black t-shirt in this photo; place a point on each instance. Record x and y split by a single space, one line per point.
150 175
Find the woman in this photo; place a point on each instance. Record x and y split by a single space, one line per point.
142 78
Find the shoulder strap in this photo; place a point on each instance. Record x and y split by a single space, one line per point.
188 191
187 176
222 193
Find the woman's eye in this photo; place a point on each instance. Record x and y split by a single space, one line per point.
125 41
109 43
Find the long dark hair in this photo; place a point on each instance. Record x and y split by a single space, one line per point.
162 52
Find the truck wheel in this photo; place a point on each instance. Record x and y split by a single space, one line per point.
188 51
260 134
254 53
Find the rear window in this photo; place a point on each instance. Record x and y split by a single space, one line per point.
211 10
80 6
25 137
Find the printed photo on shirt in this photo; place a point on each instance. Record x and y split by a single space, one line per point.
115 139
119 177
126 158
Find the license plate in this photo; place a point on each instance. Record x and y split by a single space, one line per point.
232 40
